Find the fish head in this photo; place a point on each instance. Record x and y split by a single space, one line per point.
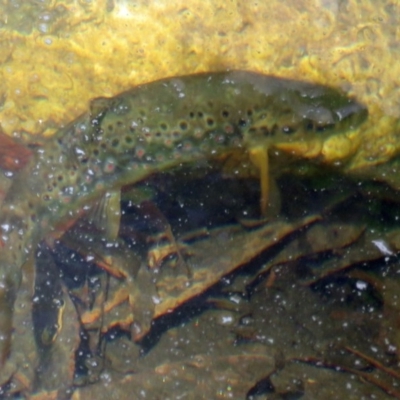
299 117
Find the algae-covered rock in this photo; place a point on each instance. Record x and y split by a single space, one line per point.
57 55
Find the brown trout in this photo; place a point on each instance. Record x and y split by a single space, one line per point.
151 128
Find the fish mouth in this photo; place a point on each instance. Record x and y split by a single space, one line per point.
303 149
353 110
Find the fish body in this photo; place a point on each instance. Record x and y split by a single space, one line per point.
151 128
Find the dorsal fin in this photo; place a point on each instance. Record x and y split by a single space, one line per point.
13 155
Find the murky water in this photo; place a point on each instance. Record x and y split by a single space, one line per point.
303 304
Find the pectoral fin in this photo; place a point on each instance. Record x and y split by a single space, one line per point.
106 215
259 157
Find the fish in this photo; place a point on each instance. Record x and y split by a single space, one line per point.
154 127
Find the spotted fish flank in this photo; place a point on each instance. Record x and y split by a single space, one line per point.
151 128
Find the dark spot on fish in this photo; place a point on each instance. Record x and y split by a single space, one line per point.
33 217
288 130
119 123
242 122
225 113
148 135
163 126
60 178
200 114
115 143
266 132
183 125
210 122
132 129
110 127
103 145
60 141
96 152
191 114
158 134
249 113
142 112
176 134
128 140
46 197
273 131
210 103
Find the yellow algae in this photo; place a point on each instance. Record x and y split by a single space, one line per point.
57 55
